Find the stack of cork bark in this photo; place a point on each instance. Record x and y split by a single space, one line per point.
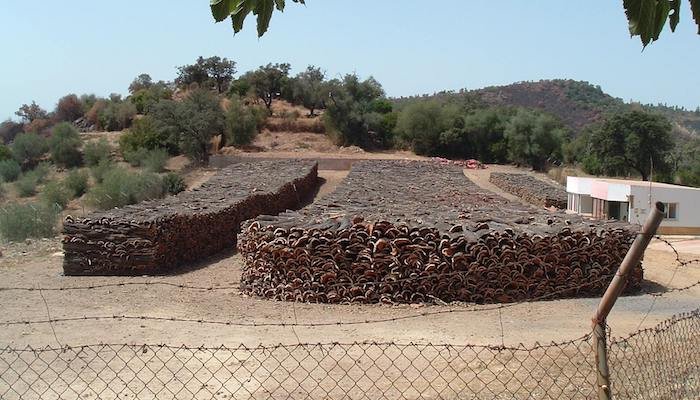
402 231
158 236
531 189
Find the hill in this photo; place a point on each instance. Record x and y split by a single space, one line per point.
576 103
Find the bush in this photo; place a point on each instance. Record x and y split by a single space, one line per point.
121 187
28 148
94 152
116 115
155 160
41 171
93 114
9 129
150 134
173 183
54 193
200 119
100 170
5 153
76 182
65 145
26 184
21 221
241 123
69 108
9 170
135 157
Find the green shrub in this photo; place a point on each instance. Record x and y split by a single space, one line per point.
41 171
173 183
121 187
117 115
241 123
100 170
65 145
94 152
155 160
5 153
28 148
26 184
21 221
9 170
135 157
76 182
55 193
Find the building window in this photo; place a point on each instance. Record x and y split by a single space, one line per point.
670 210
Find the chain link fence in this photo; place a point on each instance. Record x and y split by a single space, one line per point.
657 363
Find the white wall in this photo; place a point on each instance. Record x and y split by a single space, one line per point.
575 184
687 211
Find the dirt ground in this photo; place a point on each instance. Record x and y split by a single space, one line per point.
38 264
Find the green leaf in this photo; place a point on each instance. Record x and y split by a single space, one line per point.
264 10
663 7
238 17
280 5
221 9
695 8
675 17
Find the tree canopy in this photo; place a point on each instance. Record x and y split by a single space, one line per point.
631 141
214 71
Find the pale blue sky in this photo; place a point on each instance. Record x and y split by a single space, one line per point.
51 48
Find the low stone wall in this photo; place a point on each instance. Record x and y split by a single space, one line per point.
530 189
157 236
403 232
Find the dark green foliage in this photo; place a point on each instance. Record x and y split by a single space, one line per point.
534 139
28 148
309 90
239 10
141 82
478 134
209 72
65 145
76 182
120 187
420 125
101 169
647 18
199 118
631 141
22 221
146 98
9 170
5 153
240 87
267 81
9 129
55 194
173 183
96 151
116 114
147 133
69 108
241 123
353 113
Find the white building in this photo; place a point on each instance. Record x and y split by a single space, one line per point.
631 201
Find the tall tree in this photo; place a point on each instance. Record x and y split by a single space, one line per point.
533 138
143 81
31 112
69 108
214 72
308 88
632 141
268 81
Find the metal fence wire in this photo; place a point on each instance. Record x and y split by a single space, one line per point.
657 363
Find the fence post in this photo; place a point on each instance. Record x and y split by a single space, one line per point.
617 285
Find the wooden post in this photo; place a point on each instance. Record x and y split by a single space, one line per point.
614 290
